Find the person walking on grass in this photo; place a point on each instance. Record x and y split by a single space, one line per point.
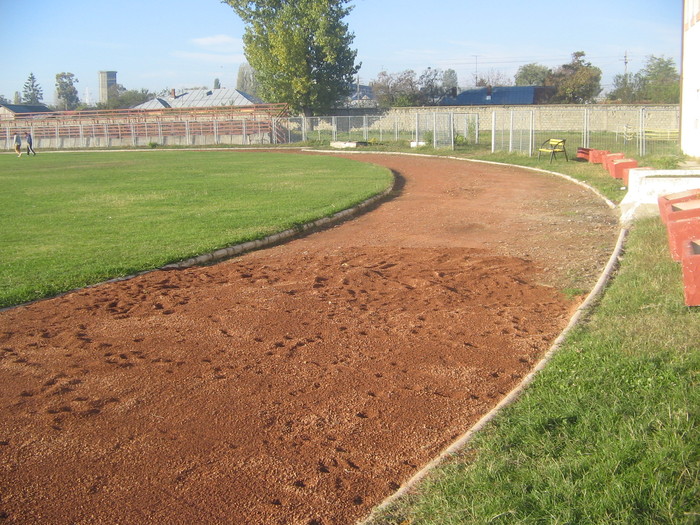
17 140
30 148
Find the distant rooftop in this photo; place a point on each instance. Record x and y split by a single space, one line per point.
499 95
202 98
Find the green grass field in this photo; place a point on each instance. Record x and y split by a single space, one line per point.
72 219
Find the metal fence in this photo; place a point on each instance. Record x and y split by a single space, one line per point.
634 131
439 130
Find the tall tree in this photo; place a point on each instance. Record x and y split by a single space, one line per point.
396 89
625 89
246 81
577 82
430 87
299 50
659 81
66 92
531 75
450 82
32 93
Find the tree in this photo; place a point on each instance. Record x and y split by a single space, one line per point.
492 78
32 93
532 75
450 83
299 50
429 87
625 89
121 98
3 100
66 92
658 82
247 82
396 89
577 82
217 83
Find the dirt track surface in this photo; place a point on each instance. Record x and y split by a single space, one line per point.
300 384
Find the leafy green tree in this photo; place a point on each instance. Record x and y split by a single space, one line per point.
532 75
217 83
3 100
625 89
66 92
299 50
32 93
659 81
577 82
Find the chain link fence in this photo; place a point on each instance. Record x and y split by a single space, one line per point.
634 131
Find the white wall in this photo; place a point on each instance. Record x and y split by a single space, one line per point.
690 98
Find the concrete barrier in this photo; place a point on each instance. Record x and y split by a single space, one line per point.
681 231
665 201
645 187
619 165
596 155
691 272
608 160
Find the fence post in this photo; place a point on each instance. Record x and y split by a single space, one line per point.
493 131
642 135
510 133
531 144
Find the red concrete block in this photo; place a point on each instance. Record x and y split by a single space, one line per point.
665 201
619 165
583 153
681 231
683 210
691 272
596 155
609 158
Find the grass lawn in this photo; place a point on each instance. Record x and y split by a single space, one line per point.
72 219
608 431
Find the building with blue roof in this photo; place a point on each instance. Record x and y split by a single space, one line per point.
500 96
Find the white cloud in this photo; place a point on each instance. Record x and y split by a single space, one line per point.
224 43
212 58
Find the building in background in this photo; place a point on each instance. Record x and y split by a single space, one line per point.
690 79
500 96
202 98
107 80
13 111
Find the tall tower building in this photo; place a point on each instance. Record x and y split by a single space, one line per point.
107 80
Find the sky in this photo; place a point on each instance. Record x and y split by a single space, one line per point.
182 44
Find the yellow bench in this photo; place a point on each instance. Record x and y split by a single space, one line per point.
552 147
